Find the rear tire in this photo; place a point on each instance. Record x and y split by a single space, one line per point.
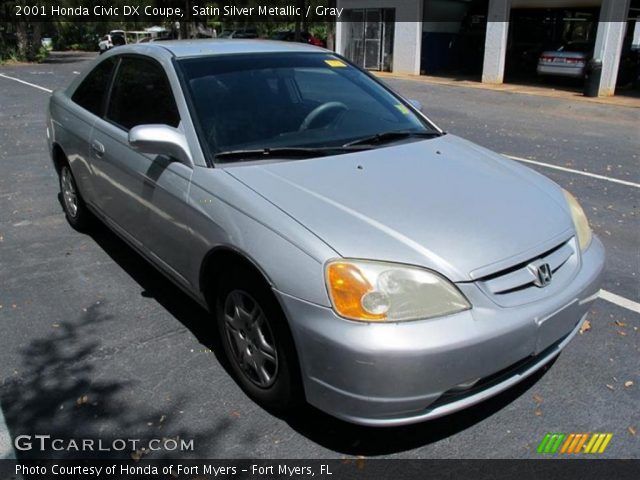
75 209
257 342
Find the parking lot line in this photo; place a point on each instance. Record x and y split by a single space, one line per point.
620 301
6 447
26 83
577 172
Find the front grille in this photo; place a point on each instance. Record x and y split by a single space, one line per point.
516 285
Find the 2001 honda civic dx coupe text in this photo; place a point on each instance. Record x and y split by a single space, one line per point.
351 252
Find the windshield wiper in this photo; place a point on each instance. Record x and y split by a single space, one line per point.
391 136
282 152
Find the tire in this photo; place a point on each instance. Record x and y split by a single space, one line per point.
74 207
257 342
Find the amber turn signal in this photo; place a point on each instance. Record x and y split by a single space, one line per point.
347 287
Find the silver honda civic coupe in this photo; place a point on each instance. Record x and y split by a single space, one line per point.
351 253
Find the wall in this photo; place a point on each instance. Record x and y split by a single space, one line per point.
407 41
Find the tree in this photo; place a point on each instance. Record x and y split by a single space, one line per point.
300 4
28 34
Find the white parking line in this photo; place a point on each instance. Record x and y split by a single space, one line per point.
608 296
620 301
577 172
26 83
6 447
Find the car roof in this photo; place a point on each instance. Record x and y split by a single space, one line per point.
220 46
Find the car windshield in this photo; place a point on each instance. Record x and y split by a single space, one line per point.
290 101
580 47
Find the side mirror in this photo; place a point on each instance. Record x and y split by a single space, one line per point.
416 104
160 140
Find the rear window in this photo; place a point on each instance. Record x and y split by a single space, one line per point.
142 95
90 95
576 47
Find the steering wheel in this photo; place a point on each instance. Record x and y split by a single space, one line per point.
321 110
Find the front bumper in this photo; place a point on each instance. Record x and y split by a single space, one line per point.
396 374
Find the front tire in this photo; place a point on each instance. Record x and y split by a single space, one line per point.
257 342
78 216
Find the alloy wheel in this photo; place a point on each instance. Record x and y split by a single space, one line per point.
69 194
250 338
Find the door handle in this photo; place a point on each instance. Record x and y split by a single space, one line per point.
98 148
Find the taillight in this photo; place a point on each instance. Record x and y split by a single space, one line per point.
575 61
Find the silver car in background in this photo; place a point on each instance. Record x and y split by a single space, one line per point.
351 253
568 60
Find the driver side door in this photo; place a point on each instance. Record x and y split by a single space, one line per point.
142 195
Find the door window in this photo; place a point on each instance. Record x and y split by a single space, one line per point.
142 95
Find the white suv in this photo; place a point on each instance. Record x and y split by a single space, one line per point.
115 38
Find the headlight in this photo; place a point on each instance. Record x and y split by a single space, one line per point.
378 292
580 221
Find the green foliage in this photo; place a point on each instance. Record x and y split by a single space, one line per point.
319 30
41 55
20 40
78 35
8 55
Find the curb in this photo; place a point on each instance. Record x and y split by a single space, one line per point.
615 101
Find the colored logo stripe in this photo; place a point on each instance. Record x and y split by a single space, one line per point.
598 443
550 442
574 443
580 440
567 444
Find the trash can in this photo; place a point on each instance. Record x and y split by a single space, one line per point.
592 78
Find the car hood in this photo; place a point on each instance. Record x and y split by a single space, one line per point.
445 204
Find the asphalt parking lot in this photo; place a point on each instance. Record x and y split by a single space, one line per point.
94 343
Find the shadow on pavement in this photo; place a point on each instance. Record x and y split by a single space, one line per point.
68 57
58 389
155 285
